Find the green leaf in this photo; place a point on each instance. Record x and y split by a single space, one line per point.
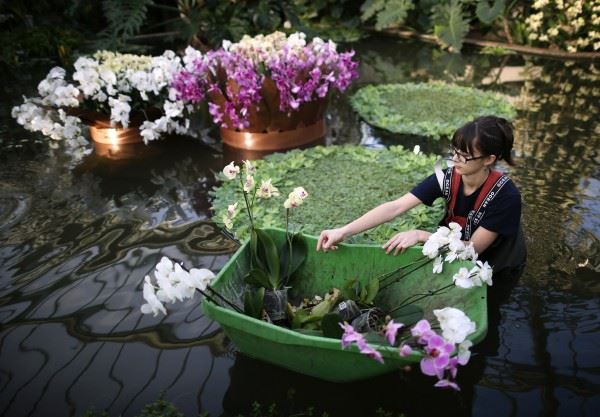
393 14
363 295
299 251
267 252
372 290
330 324
450 24
253 302
488 13
370 7
258 278
408 315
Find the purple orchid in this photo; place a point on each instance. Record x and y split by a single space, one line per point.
352 336
301 75
391 330
444 383
422 331
405 350
437 357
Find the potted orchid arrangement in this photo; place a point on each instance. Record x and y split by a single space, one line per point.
271 267
442 352
268 89
124 98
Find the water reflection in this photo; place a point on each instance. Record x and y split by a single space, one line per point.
79 233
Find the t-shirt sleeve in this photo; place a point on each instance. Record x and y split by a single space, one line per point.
503 216
428 191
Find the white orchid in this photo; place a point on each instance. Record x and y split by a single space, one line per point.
464 279
173 283
153 304
267 190
249 167
431 248
468 253
438 265
455 324
464 352
484 272
249 183
230 171
227 222
232 210
200 278
108 81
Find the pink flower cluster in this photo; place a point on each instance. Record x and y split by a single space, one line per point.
438 360
437 352
232 81
302 76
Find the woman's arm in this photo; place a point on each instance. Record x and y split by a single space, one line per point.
482 239
380 214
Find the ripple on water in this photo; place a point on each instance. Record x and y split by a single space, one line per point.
13 207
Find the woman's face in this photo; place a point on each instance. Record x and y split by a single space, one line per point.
467 164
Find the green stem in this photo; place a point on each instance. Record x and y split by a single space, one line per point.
420 296
427 260
289 240
247 204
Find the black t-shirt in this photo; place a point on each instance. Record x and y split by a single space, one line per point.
503 215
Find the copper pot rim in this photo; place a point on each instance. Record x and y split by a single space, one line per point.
273 141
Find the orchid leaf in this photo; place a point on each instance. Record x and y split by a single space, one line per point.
253 302
258 278
408 315
299 251
372 290
330 325
267 252
331 299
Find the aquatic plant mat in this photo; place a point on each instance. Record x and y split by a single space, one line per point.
427 109
343 182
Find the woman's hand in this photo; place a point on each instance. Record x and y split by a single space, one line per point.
401 241
328 239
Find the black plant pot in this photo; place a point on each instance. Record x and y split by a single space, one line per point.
369 320
348 310
275 304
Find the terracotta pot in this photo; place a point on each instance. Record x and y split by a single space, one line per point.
270 128
116 136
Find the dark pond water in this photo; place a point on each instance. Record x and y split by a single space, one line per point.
78 234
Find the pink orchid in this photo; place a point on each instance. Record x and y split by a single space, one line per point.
391 330
444 383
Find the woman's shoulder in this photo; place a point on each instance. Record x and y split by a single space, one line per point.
509 194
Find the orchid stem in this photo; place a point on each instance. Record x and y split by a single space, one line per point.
406 274
236 308
247 204
419 296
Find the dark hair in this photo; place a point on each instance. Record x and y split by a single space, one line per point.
490 135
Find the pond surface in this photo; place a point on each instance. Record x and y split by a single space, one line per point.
79 233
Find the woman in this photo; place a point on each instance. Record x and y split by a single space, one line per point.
483 201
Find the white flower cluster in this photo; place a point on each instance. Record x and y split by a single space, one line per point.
173 283
455 325
447 241
574 24
265 191
113 84
261 48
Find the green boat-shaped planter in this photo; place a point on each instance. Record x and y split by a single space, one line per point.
323 357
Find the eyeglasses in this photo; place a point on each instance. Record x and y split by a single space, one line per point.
462 158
